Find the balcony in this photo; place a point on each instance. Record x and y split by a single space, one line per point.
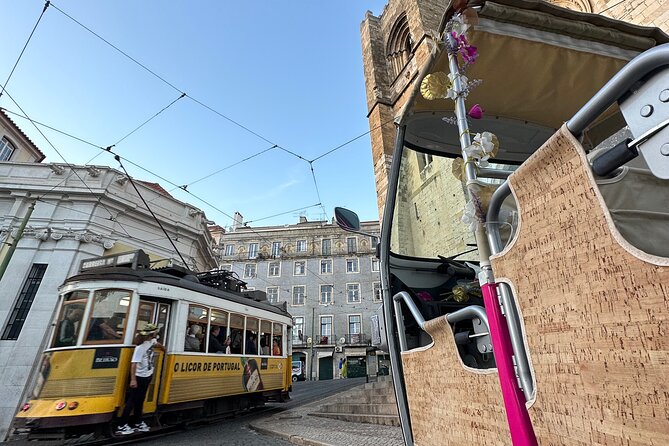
357 339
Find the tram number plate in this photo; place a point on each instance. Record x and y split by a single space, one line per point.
106 358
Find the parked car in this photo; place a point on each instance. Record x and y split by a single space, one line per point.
298 371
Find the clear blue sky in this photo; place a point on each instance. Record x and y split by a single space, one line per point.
289 71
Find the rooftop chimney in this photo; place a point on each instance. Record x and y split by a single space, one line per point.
237 221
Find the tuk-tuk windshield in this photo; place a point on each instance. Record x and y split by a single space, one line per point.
430 217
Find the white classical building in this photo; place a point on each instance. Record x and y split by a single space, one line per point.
79 212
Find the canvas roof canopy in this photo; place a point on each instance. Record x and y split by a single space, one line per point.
539 64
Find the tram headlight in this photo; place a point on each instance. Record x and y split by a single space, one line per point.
25 407
60 405
73 405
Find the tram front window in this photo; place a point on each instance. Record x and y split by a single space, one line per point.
108 317
70 318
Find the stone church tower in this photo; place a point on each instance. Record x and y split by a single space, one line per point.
395 46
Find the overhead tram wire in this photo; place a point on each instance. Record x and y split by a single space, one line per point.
148 208
115 47
283 213
176 186
46 5
227 167
383 124
148 120
318 194
209 107
71 166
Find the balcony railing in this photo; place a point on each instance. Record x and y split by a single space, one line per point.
357 339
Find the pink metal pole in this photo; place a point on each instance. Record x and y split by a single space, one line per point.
520 424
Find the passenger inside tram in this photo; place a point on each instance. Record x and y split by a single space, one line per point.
215 346
192 341
68 327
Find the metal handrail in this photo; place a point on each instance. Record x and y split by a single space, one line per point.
469 312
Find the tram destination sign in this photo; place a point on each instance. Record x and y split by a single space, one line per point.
134 260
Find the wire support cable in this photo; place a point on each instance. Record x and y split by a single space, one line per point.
282 213
228 167
116 48
148 120
148 208
71 166
46 5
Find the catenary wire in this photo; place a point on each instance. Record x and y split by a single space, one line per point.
58 152
118 159
148 120
46 5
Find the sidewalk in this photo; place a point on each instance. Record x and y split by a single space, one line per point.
298 427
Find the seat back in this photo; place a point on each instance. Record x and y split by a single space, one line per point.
595 309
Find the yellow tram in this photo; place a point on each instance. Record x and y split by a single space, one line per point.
83 374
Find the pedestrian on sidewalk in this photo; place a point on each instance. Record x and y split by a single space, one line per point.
141 372
343 368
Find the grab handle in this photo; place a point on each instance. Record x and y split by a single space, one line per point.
614 158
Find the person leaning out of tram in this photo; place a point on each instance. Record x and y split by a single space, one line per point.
141 371
215 345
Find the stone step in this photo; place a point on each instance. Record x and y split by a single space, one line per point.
384 420
361 408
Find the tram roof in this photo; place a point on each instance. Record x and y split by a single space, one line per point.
149 275
538 63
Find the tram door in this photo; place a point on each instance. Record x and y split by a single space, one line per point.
156 313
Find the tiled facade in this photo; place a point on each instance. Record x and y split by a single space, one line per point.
326 277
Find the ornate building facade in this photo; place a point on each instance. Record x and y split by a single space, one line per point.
71 213
329 280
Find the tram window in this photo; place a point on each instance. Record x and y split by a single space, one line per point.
236 333
69 319
197 326
277 340
108 316
265 337
146 312
219 319
251 339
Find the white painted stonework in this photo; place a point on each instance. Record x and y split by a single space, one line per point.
80 213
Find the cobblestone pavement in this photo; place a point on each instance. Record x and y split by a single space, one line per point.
298 427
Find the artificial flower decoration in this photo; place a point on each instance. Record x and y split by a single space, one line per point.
458 168
435 85
476 112
469 216
450 120
483 147
468 52
489 143
458 25
451 93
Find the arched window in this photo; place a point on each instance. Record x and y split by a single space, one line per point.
6 149
399 47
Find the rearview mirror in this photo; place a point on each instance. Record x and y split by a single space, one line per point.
347 220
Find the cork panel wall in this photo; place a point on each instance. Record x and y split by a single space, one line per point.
595 309
449 404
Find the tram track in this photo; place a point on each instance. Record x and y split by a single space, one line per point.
156 432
